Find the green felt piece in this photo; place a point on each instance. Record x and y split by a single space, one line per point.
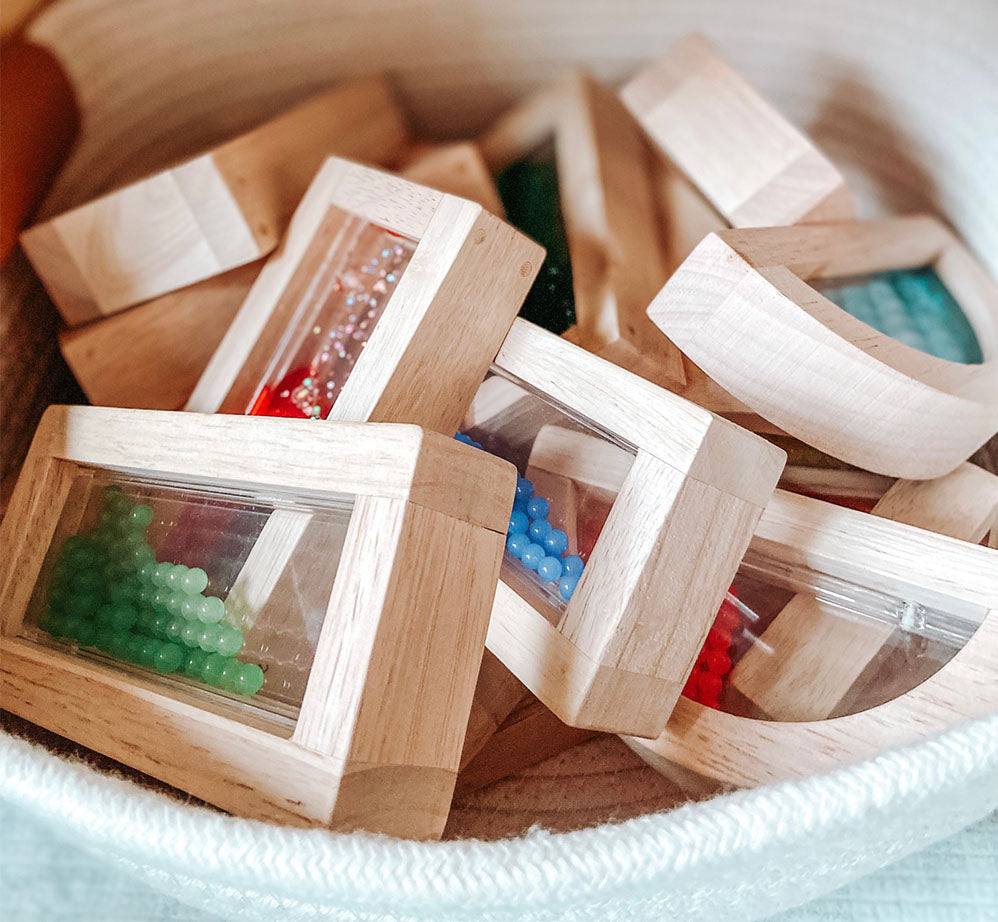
913 306
528 189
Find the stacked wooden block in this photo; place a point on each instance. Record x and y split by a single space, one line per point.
421 605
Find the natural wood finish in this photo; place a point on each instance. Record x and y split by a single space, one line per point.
747 159
378 738
463 286
530 734
816 653
940 571
623 647
151 356
497 693
220 210
741 308
608 206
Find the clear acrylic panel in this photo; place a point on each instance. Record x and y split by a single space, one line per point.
791 644
338 294
570 474
216 590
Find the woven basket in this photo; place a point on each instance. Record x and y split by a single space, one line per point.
902 95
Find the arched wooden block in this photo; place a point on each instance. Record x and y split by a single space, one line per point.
223 209
953 575
741 307
753 165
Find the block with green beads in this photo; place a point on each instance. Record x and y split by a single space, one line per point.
107 591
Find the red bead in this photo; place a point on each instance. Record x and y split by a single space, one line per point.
718 662
728 618
271 403
709 686
718 639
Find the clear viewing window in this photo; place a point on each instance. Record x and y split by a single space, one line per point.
220 590
570 474
910 305
329 310
794 644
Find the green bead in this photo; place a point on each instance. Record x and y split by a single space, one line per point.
58 596
194 663
140 517
123 593
175 578
72 627
189 608
62 573
160 623
55 626
209 636
230 640
211 671
169 657
195 581
82 606
174 602
230 674
159 598
123 617
147 651
87 582
121 646
175 628
105 640
211 610
191 634
81 557
250 679
147 569
160 574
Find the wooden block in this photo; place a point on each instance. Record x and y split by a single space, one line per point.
151 356
754 167
873 553
466 276
618 653
608 204
816 654
530 734
743 308
375 739
227 207
497 694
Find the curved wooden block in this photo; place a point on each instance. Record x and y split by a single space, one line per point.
741 307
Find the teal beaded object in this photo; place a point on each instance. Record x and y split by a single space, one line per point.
910 305
533 541
107 591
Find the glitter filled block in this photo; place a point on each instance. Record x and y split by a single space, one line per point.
152 613
386 302
613 569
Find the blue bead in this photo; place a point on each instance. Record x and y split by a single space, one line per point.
539 530
538 508
461 437
566 586
517 544
524 489
572 566
477 445
532 556
555 542
518 523
549 569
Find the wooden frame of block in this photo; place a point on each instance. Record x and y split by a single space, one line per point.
151 357
908 562
816 655
741 307
608 207
456 299
222 209
626 641
754 167
379 733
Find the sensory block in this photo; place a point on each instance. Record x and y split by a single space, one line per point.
615 563
387 301
747 307
856 579
151 356
222 209
576 144
146 616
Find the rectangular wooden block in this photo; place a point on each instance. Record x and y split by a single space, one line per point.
223 209
656 490
369 646
462 275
